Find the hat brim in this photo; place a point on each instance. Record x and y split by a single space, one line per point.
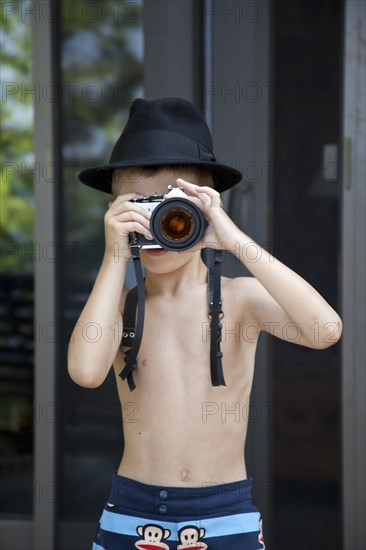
100 177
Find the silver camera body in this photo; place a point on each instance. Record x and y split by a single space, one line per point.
176 223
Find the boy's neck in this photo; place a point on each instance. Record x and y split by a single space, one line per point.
193 273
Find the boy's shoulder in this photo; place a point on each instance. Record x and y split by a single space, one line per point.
247 298
241 291
239 284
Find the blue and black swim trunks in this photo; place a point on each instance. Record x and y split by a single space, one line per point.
152 517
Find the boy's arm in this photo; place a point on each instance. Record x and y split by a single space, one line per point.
97 333
96 336
278 296
286 306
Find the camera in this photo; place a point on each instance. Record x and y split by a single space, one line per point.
176 223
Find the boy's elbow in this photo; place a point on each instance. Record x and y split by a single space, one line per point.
85 377
85 380
332 332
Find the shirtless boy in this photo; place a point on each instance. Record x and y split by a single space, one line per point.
182 481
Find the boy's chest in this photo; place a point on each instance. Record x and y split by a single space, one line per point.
177 341
176 345
178 330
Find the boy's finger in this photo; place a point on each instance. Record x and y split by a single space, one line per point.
186 184
124 198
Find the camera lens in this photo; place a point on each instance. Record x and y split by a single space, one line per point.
177 224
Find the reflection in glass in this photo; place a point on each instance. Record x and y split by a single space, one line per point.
101 74
306 195
17 258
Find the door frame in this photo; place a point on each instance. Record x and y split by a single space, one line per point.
353 276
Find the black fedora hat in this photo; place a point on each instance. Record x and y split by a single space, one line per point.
166 131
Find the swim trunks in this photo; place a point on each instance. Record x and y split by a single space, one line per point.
153 517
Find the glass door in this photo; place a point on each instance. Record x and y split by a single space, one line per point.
17 258
101 72
306 227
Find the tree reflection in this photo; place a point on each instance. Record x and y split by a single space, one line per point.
18 171
101 74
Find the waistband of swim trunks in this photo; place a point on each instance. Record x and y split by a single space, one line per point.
210 497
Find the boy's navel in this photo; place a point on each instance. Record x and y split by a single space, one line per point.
184 474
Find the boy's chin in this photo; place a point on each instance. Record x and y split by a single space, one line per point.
159 260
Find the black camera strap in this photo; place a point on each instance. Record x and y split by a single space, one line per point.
213 258
136 300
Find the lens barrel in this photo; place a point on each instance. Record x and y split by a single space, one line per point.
177 224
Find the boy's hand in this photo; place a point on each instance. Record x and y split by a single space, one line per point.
221 230
124 217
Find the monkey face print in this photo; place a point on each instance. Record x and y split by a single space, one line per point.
189 538
153 536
